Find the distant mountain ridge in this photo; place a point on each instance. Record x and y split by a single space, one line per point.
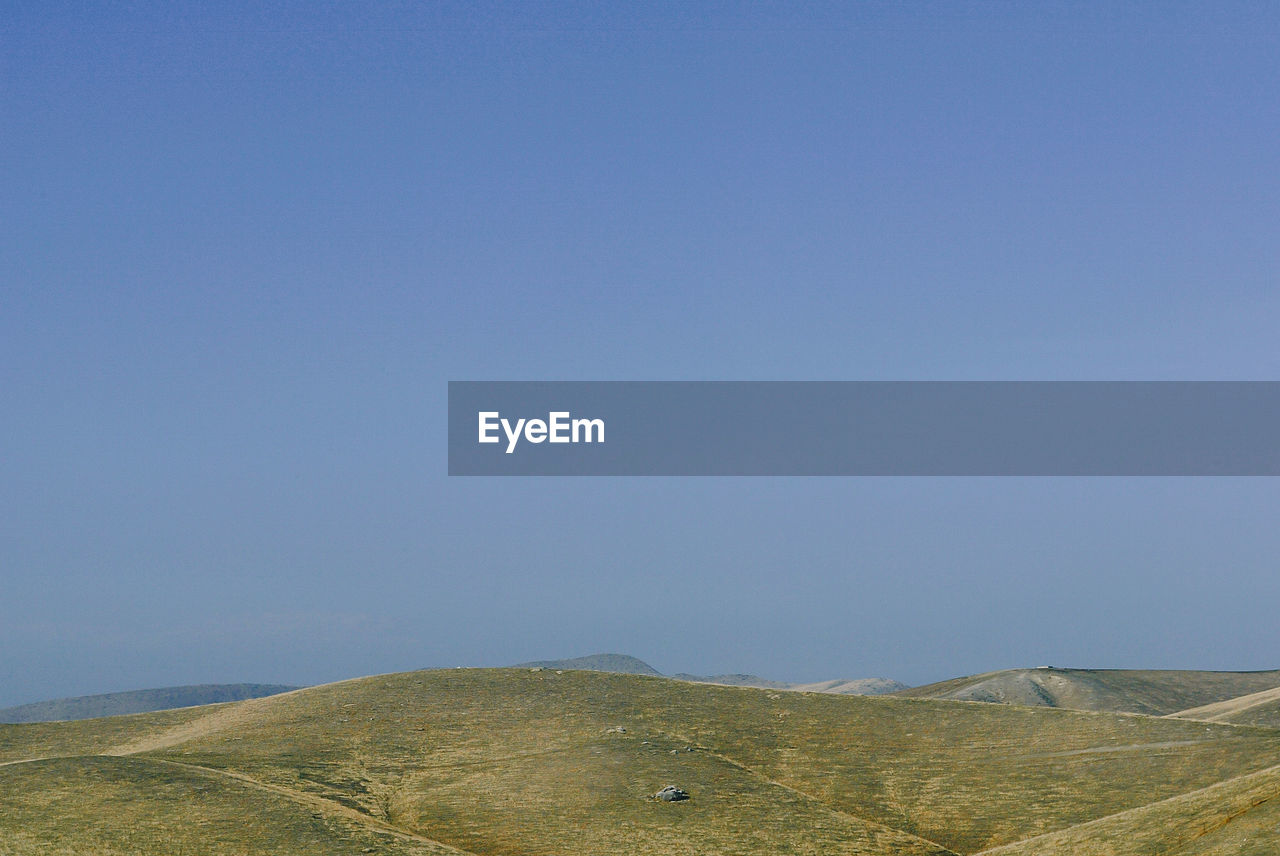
622 664
1147 691
136 701
628 665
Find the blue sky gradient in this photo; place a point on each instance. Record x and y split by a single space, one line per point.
245 246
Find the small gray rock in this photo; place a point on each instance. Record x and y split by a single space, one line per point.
671 794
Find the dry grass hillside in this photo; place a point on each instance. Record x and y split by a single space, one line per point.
1234 818
520 761
1261 708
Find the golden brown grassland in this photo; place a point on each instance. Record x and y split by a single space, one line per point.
505 761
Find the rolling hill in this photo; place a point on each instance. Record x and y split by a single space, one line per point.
136 701
506 761
1151 692
627 665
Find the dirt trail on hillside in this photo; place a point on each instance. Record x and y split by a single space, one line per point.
27 760
1129 747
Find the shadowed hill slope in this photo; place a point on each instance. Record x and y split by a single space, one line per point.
514 761
136 701
1151 692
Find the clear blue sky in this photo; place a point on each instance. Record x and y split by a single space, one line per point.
244 247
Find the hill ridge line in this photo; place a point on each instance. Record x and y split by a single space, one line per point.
223 715
1260 774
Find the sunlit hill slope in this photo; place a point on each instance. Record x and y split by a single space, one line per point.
509 761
